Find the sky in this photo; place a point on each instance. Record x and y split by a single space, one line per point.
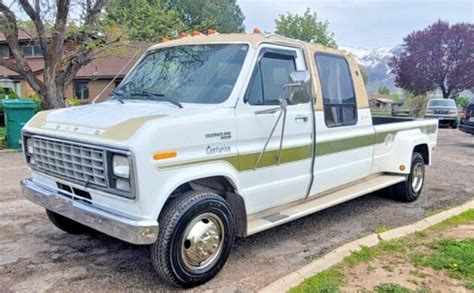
362 23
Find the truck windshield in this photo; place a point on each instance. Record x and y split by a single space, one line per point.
442 103
203 74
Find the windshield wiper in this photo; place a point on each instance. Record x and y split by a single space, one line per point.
156 97
116 96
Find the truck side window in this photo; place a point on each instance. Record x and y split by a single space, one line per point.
271 73
339 99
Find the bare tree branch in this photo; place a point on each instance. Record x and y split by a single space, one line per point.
10 30
35 16
10 65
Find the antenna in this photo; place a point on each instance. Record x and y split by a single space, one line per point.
115 77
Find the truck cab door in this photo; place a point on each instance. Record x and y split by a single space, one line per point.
274 181
344 133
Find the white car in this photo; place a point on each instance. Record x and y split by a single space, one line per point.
213 137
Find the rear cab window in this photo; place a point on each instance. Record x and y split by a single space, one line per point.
339 100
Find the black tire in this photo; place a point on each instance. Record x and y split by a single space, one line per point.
454 124
169 252
404 191
66 224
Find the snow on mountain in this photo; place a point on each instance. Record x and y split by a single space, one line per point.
376 63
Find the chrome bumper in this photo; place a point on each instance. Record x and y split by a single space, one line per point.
129 230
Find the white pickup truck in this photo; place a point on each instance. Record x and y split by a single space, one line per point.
212 137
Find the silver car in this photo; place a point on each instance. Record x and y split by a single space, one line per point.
444 110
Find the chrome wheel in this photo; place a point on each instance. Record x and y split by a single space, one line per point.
202 242
417 177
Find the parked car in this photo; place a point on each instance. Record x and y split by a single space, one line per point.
213 137
467 119
445 110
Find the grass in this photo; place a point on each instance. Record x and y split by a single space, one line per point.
326 281
2 138
454 257
363 255
381 229
395 288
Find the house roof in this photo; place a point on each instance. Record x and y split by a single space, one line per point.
381 98
22 36
100 68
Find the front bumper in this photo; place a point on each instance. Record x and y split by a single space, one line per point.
442 118
136 231
466 128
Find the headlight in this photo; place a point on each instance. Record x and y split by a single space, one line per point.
121 166
29 146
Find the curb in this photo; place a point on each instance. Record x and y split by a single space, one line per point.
337 255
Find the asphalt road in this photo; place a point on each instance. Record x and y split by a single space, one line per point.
36 256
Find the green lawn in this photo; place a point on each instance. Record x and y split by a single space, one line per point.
454 257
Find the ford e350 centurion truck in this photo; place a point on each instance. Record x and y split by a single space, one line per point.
212 137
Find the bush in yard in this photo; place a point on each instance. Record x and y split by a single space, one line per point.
71 102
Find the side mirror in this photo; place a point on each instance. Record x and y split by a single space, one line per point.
297 91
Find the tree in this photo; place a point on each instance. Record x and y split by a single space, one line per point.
383 90
51 30
440 57
223 15
305 27
144 20
153 20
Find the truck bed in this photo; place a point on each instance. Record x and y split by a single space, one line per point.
377 120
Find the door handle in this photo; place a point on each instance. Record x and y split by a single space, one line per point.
301 118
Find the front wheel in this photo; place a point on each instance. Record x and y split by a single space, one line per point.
197 231
410 189
454 124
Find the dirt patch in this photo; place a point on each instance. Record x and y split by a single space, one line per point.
399 271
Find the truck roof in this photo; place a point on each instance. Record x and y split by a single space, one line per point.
254 39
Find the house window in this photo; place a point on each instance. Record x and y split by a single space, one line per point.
81 90
271 73
4 51
31 51
339 99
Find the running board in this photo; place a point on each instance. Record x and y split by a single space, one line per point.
274 217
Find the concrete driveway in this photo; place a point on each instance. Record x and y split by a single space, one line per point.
36 256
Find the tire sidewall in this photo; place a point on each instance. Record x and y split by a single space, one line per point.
208 205
416 160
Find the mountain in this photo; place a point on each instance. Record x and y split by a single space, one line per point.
375 63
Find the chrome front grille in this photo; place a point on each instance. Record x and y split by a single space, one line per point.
70 160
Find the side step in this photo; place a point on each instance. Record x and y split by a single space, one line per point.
274 217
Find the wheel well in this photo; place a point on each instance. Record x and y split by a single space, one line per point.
423 150
224 187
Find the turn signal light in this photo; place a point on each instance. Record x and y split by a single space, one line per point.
402 167
164 155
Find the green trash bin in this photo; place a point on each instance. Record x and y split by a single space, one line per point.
17 113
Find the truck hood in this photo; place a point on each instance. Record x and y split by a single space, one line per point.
107 114
108 120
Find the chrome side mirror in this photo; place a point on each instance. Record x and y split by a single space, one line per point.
297 91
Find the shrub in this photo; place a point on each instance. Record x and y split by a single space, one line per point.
37 100
71 102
